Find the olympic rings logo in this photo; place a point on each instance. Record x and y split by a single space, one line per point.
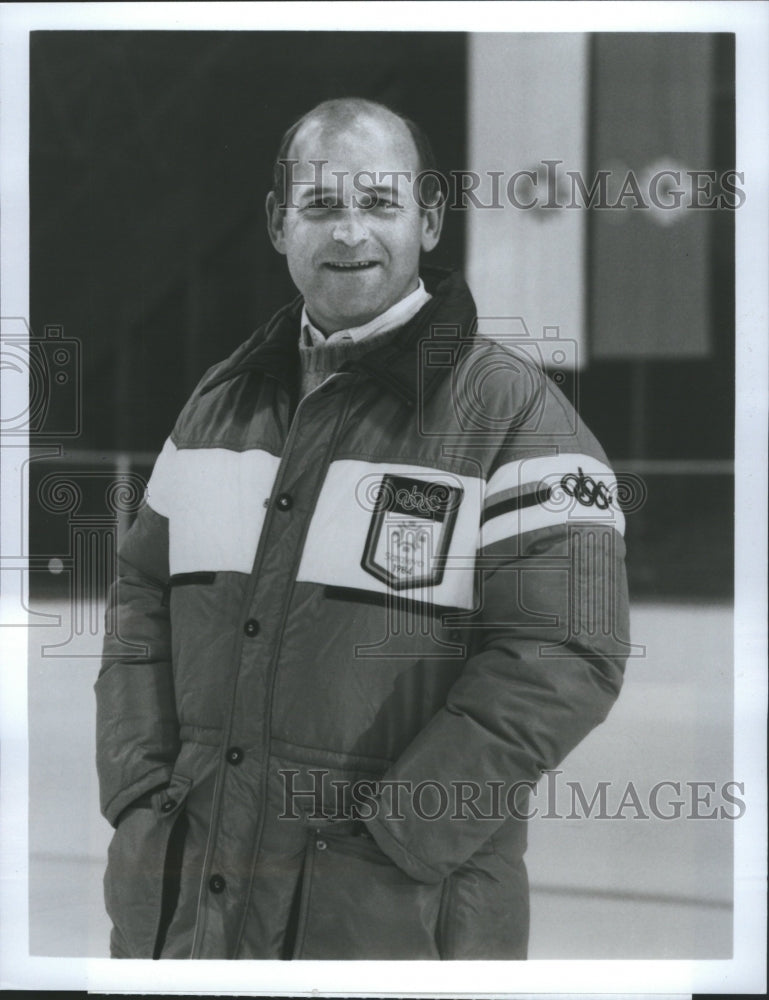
586 490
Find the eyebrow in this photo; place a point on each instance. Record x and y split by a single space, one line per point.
331 192
391 189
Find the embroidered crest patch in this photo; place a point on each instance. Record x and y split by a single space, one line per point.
410 532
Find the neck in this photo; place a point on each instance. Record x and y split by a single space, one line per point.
329 328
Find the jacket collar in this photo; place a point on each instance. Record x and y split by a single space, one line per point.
449 316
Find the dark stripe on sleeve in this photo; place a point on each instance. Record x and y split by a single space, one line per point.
516 503
182 579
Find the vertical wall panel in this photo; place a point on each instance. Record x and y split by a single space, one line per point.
528 103
650 267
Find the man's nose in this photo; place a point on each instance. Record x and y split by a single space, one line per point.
349 228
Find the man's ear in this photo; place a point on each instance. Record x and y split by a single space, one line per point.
432 223
275 221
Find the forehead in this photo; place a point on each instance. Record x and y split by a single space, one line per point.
359 144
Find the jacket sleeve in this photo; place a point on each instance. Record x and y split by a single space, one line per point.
137 730
137 738
549 643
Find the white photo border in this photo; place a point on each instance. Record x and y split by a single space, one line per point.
745 972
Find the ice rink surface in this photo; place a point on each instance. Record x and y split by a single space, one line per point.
613 888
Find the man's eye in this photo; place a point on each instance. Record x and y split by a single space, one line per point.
322 205
383 204
366 203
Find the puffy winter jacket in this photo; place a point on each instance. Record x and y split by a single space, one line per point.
347 637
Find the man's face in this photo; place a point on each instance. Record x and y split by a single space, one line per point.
352 230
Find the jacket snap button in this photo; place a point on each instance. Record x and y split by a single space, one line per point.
251 628
168 805
216 883
234 755
321 845
285 502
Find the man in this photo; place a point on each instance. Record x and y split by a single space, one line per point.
357 617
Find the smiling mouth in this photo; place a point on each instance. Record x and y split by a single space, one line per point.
350 265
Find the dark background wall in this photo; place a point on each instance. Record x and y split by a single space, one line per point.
150 154
150 157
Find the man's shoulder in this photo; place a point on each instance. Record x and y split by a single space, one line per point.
208 410
221 369
228 367
506 374
504 390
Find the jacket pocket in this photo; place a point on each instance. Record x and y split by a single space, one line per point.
139 882
357 904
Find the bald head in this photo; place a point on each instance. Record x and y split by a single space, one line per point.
349 115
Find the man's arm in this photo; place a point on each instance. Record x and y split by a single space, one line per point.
137 729
136 726
550 647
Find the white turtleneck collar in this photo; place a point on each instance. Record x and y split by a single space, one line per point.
392 318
